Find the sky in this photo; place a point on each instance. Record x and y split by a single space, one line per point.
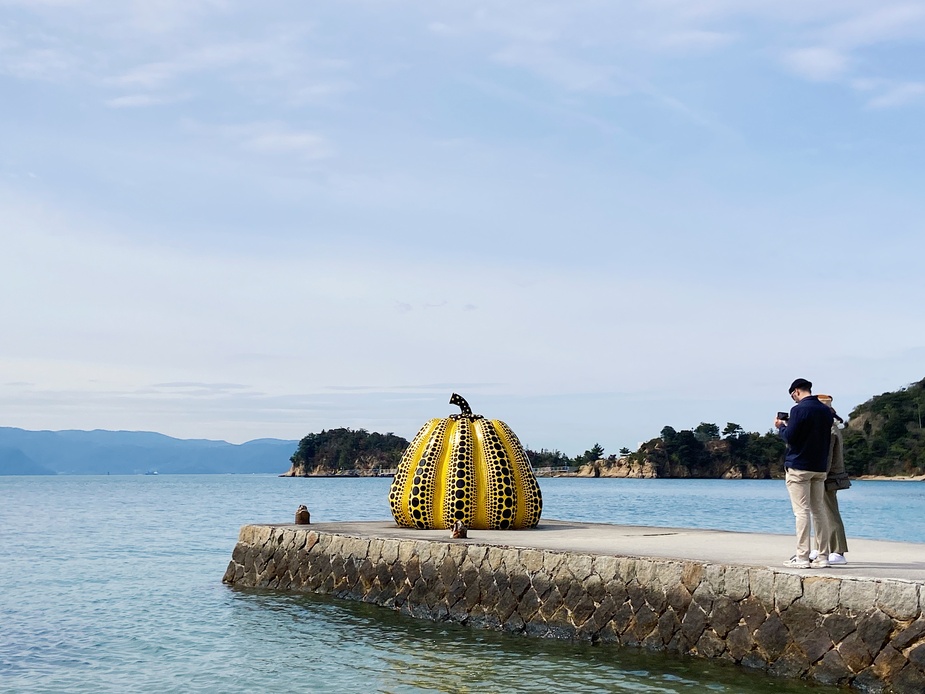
236 220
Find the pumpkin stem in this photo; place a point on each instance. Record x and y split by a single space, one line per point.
460 402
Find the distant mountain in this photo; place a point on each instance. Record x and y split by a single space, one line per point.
100 452
14 462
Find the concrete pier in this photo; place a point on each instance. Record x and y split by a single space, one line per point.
700 592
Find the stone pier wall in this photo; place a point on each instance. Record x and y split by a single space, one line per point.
869 634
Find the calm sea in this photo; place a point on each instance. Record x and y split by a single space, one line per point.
113 584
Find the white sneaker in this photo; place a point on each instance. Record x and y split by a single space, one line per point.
813 554
819 563
836 558
796 563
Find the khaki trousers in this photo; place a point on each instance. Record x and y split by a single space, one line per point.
807 497
835 541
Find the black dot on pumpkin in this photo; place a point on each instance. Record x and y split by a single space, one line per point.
460 494
460 484
504 525
460 505
506 513
416 513
459 515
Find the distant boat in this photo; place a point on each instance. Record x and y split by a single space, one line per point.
151 472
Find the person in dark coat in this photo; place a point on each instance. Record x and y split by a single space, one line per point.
808 433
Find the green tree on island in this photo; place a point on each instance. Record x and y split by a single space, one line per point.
596 452
732 430
544 458
706 432
884 435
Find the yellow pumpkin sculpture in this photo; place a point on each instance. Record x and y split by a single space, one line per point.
465 468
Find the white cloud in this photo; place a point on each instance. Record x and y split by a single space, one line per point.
885 94
208 58
899 95
696 40
442 29
140 101
150 75
819 64
307 144
844 38
320 91
877 23
523 23
573 74
43 64
277 138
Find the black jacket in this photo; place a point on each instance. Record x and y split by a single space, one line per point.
808 434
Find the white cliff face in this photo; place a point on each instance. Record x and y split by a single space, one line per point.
622 467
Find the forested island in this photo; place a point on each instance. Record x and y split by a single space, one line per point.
883 437
346 452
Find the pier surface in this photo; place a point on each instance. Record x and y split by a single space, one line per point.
877 559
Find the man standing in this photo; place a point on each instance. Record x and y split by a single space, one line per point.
808 434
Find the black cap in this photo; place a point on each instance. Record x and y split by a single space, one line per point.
800 383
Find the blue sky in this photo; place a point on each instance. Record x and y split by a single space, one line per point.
233 220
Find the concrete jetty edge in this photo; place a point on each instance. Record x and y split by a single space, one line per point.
702 593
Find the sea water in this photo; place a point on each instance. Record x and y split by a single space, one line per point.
113 584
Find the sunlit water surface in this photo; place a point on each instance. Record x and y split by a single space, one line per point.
113 584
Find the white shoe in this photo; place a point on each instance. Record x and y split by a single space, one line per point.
819 563
813 554
836 558
795 563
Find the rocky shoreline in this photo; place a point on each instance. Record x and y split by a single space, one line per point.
896 478
626 467
342 473
629 472
630 467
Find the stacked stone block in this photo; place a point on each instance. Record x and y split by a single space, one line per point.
869 634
